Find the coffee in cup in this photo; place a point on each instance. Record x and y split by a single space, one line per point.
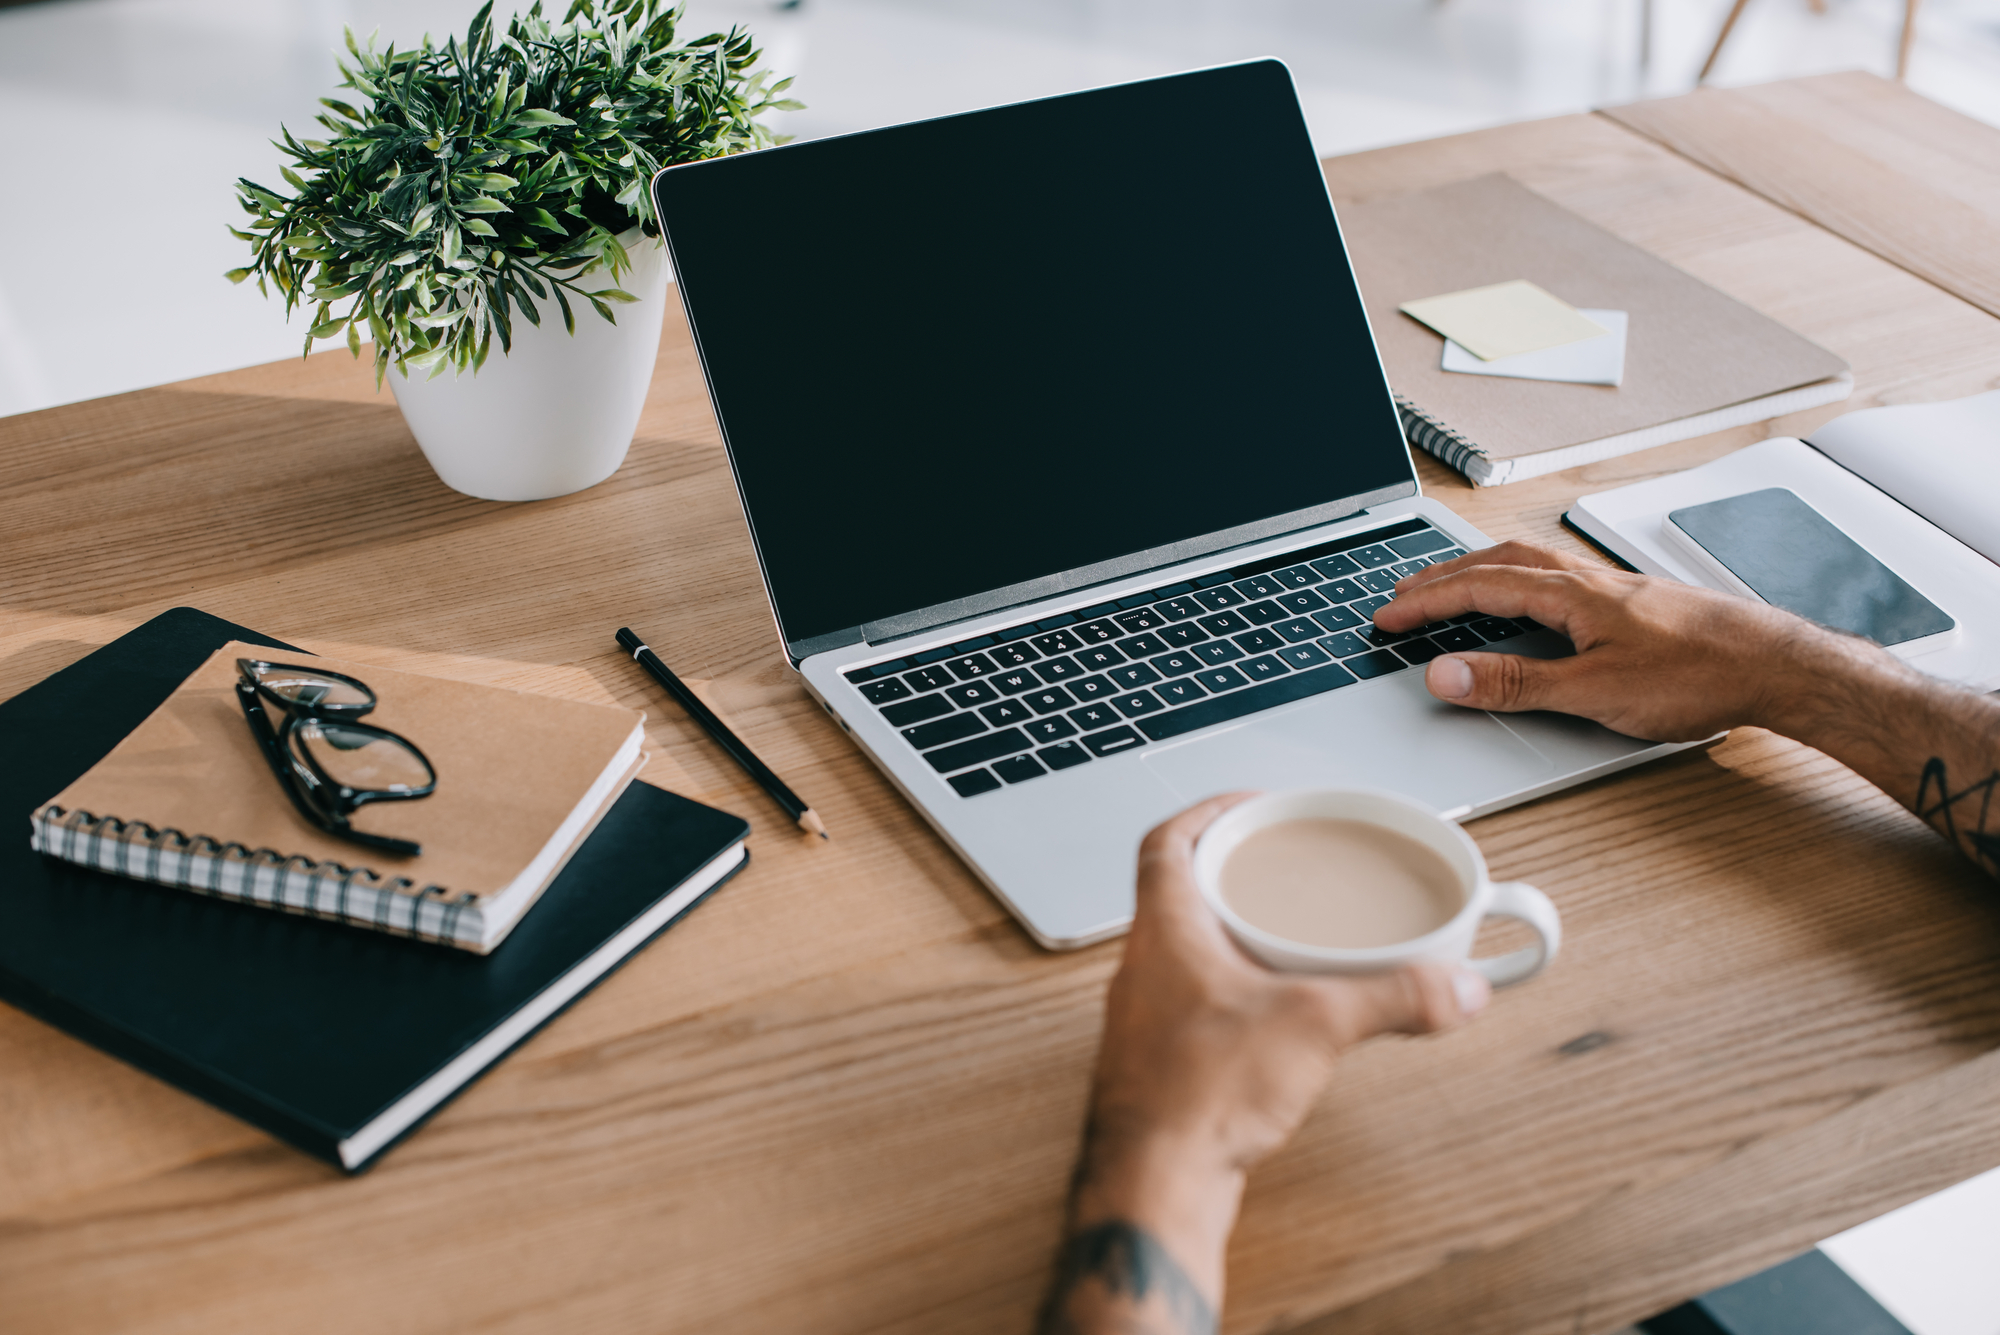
1351 881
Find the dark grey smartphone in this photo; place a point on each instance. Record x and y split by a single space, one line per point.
1793 557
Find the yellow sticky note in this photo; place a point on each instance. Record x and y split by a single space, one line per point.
1503 320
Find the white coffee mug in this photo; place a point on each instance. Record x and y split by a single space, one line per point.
1483 897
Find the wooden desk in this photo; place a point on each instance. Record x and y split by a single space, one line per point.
845 1094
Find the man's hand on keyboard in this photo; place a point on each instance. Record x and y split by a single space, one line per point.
1654 659
1669 662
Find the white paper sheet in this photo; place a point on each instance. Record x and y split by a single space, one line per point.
1593 361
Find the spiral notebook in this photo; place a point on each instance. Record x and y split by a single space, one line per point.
188 800
341 1042
1696 360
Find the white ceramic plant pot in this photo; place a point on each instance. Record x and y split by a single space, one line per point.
556 413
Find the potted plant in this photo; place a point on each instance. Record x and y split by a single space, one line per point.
490 191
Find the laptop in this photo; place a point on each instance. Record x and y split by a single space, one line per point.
1075 480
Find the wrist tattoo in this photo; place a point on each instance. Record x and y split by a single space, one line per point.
1130 1266
1960 817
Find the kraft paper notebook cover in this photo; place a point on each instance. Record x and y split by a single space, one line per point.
1696 360
337 1040
187 799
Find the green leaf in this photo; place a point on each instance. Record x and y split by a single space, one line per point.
480 227
237 275
491 181
541 116
613 293
483 204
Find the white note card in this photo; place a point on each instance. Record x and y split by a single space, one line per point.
1592 361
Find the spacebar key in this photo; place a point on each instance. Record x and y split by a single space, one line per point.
993 745
1222 708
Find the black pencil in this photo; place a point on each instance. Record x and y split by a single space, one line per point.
807 819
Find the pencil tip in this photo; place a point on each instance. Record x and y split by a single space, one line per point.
810 822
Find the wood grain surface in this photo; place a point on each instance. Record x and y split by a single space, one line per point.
844 1095
1912 181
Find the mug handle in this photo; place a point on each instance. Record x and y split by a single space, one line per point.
1523 903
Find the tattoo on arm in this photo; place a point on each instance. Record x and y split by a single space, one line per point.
1131 1266
1961 817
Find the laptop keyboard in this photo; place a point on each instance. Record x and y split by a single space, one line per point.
1016 704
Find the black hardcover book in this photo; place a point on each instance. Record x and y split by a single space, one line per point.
337 1039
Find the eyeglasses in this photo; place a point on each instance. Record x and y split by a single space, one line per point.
329 762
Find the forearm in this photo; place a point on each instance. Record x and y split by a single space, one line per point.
1148 1228
1932 746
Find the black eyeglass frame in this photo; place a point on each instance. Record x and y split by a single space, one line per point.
319 797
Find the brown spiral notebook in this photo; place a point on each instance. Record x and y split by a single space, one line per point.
188 800
1696 360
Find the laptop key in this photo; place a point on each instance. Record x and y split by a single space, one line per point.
1050 729
1377 581
1016 681
1091 688
1418 651
1064 755
916 711
1143 618
1493 628
1262 668
1377 555
1296 577
1143 646
973 666
1405 569
1137 703
1182 608
1333 567
1216 652
1344 644
1457 639
1014 655
1056 642
1222 708
1092 717
1049 700
1112 741
1341 591
882 692
1263 614
928 679
1380 638
1297 630
1259 586
1018 769
1300 601
1053 670
1221 679
1097 632
1219 597
1418 544
1302 655
1339 618
1367 606
1005 713
1257 641
1182 635
1098 656
1223 623
955 728
1133 674
977 751
970 693
1179 692
1380 663
974 783
1177 664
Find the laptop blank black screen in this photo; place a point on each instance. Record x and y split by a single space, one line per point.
958 355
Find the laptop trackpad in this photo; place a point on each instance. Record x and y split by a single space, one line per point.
1390 735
